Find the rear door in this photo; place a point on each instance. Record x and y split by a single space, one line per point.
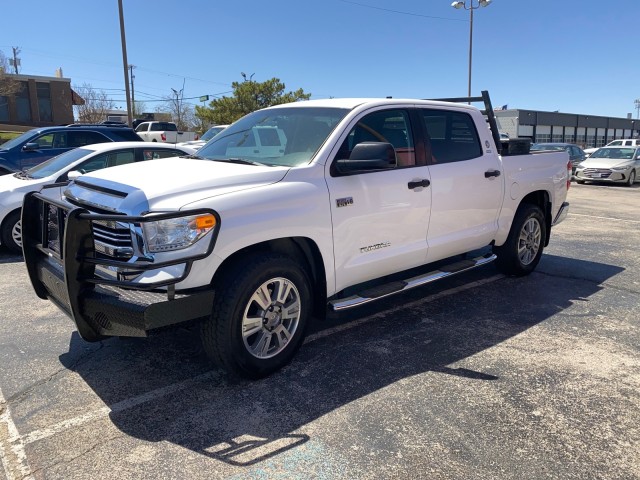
466 183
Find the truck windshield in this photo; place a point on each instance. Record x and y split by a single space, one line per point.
280 136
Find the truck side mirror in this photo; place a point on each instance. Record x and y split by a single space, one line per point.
73 174
367 156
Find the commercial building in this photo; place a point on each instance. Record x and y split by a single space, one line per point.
39 102
584 130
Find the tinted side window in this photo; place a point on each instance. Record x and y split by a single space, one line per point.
79 139
152 154
389 126
451 136
126 134
44 141
95 163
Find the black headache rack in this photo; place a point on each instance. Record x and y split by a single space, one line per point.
514 146
61 259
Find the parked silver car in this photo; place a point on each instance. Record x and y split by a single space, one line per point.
610 164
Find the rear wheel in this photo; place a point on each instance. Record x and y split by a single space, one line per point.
632 178
581 182
260 313
521 252
12 232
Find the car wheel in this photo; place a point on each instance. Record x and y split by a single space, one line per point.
260 313
632 178
12 232
581 182
520 254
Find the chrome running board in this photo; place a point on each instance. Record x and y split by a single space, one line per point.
399 286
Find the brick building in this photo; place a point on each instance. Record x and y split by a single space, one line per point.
41 102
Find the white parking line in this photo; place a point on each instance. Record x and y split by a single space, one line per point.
164 391
12 454
116 407
622 220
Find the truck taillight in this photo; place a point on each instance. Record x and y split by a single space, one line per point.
569 171
163 137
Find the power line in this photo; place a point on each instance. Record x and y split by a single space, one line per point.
402 13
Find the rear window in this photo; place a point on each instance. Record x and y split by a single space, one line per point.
452 136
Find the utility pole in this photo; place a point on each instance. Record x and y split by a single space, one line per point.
125 63
133 96
637 104
16 60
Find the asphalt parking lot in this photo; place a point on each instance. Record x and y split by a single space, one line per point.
478 377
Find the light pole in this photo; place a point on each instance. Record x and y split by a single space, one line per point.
471 8
637 104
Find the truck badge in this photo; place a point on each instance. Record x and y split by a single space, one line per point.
344 202
377 246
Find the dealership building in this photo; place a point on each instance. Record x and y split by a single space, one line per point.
584 130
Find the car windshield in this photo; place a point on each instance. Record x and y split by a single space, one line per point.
212 132
279 136
55 164
618 153
17 141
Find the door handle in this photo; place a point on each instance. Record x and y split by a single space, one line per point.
491 173
419 183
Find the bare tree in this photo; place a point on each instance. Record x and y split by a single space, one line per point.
96 105
182 114
8 85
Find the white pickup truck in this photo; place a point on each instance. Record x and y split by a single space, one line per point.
253 242
166 132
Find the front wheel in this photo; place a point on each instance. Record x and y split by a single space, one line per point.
520 254
260 313
632 178
12 232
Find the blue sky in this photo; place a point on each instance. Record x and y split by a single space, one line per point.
575 56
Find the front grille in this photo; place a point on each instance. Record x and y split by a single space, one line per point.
596 172
112 239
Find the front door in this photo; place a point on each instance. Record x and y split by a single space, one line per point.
380 218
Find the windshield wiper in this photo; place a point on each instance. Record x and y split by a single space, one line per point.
241 161
193 156
23 174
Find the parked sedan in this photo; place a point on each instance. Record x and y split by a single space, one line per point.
208 135
65 167
576 154
611 164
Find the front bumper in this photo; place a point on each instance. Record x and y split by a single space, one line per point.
61 261
603 175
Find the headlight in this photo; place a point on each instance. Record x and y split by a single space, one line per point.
177 233
621 168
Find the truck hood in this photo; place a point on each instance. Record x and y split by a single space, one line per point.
167 184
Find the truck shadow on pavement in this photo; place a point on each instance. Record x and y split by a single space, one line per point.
244 423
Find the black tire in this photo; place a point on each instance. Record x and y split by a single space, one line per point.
581 182
632 178
237 294
11 227
520 254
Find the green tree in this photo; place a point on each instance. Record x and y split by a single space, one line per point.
248 96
